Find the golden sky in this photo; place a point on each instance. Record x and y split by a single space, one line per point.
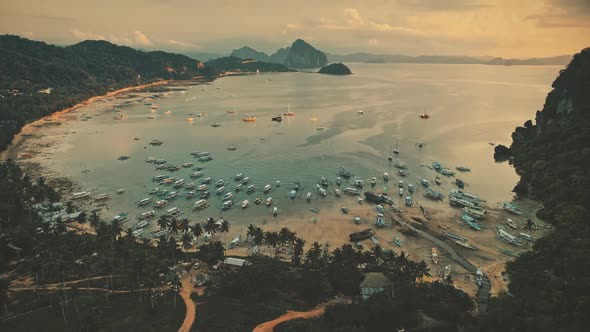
508 28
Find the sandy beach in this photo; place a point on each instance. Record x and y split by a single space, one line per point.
36 142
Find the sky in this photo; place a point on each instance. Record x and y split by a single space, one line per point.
507 28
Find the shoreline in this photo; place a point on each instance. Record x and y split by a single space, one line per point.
333 227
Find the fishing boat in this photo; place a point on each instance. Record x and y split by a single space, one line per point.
424 182
437 166
446 272
343 172
459 183
246 180
160 204
251 188
196 175
401 191
373 181
245 203
80 195
338 180
144 201
323 192
249 119
220 183
479 278
410 188
463 169
511 223
380 222
179 183
475 212
220 190
267 188
228 196
289 113
187 165
434 255
446 172
277 118
206 180
258 200
202 187
200 204
357 220
351 191
189 195
173 212
293 194
239 187
337 192
344 210
190 186
227 204
308 196
275 211
386 176
433 194
102 197
238 177
507 237
402 173
511 208
269 201
216 124
409 201
358 182
147 215
120 191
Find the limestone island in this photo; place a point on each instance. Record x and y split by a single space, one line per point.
335 69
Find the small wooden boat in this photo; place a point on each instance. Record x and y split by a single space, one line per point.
434 255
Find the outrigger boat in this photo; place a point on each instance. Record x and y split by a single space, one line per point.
144 201
190 186
323 192
511 208
200 204
511 223
228 196
434 255
386 176
463 169
147 215
308 196
190 195
245 203
160 204
269 201
196 174
324 182
258 200
246 180
267 188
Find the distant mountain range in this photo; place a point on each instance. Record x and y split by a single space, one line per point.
446 59
299 55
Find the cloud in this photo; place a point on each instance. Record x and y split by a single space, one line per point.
180 43
444 5
353 20
142 39
86 35
291 26
562 14
373 41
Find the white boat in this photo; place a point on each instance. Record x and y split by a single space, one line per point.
358 182
234 243
190 185
228 196
373 181
238 176
424 182
251 188
227 204
220 183
511 223
120 191
160 204
246 180
144 201
202 187
179 183
147 215
275 211
401 191
308 196
293 194
351 191
142 224
101 197
409 201
196 174
324 181
338 180
380 222
386 176
447 271
137 232
400 183
239 187
220 190
245 204
323 192
269 201
80 195
202 203
278 183
267 188
206 180
172 212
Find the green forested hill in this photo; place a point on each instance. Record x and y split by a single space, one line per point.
550 286
75 73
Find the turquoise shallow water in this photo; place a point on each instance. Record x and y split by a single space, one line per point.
470 106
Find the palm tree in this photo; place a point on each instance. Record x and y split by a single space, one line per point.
196 230
4 294
174 226
82 218
116 229
163 222
184 225
250 232
210 226
186 240
129 235
297 251
95 220
224 229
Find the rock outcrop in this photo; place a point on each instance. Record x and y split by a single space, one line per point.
303 55
335 69
246 52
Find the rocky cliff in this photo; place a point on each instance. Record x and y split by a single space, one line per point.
303 55
246 52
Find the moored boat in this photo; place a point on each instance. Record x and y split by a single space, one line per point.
434 255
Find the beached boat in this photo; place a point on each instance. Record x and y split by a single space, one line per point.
275 211
424 116
401 191
475 212
337 192
216 124
437 180
374 240
526 237
344 210
380 208
446 272
511 223
144 201
319 128
101 197
507 237
200 204
437 166
147 215
463 169
409 201
397 241
479 278
402 173
510 207
411 188
459 183
245 203
466 196
434 255
249 119
362 235
357 220
80 195
446 172
293 194
380 221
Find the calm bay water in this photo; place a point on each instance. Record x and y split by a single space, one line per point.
470 106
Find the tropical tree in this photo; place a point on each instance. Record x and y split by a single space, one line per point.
184 225
210 226
163 222
186 240
297 251
173 226
196 230
94 220
211 253
224 228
